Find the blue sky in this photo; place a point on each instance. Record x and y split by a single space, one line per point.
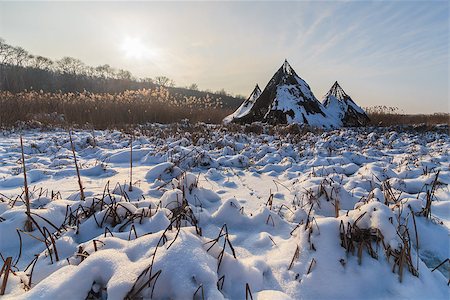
392 53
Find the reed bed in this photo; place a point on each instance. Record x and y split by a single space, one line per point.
102 110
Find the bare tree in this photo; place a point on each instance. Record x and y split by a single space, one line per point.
193 86
164 81
147 80
90 71
70 65
6 52
20 56
124 74
104 71
41 62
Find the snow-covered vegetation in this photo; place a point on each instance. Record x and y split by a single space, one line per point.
212 212
288 99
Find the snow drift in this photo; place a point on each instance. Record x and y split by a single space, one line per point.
345 214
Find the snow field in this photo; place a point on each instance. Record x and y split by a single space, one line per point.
217 214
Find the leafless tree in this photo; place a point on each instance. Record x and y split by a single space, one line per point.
104 71
124 74
41 62
147 80
6 52
164 81
70 65
193 86
20 56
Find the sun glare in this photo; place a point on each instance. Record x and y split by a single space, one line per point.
134 48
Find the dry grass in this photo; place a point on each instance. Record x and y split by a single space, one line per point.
156 105
402 119
389 116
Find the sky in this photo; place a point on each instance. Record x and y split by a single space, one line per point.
393 53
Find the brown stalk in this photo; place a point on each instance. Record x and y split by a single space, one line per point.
130 188
270 201
52 241
295 257
223 233
95 244
272 240
313 263
20 248
33 263
400 264
220 282
198 289
443 262
5 269
28 224
107 230
336 208
417 237
248 292
76 167
269 217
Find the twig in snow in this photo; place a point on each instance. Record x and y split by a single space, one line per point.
295 257
311 264
80 184
28 224
248 292
197 290
130 188
5 270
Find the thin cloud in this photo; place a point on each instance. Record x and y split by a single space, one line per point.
233 45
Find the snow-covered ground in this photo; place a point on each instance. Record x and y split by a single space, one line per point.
219 214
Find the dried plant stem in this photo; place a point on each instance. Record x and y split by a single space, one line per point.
28 223
5 269
76 167
130 188
443 262
336 208
295 257
200 288
311 265
220 283
426 212
248 292
94 142
417 238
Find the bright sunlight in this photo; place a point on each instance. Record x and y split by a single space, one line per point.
134 48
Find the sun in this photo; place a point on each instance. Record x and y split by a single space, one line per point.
134 48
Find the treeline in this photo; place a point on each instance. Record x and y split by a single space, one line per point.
20 71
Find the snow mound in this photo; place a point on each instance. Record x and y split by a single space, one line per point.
245 107
286 99
341 107
163 171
